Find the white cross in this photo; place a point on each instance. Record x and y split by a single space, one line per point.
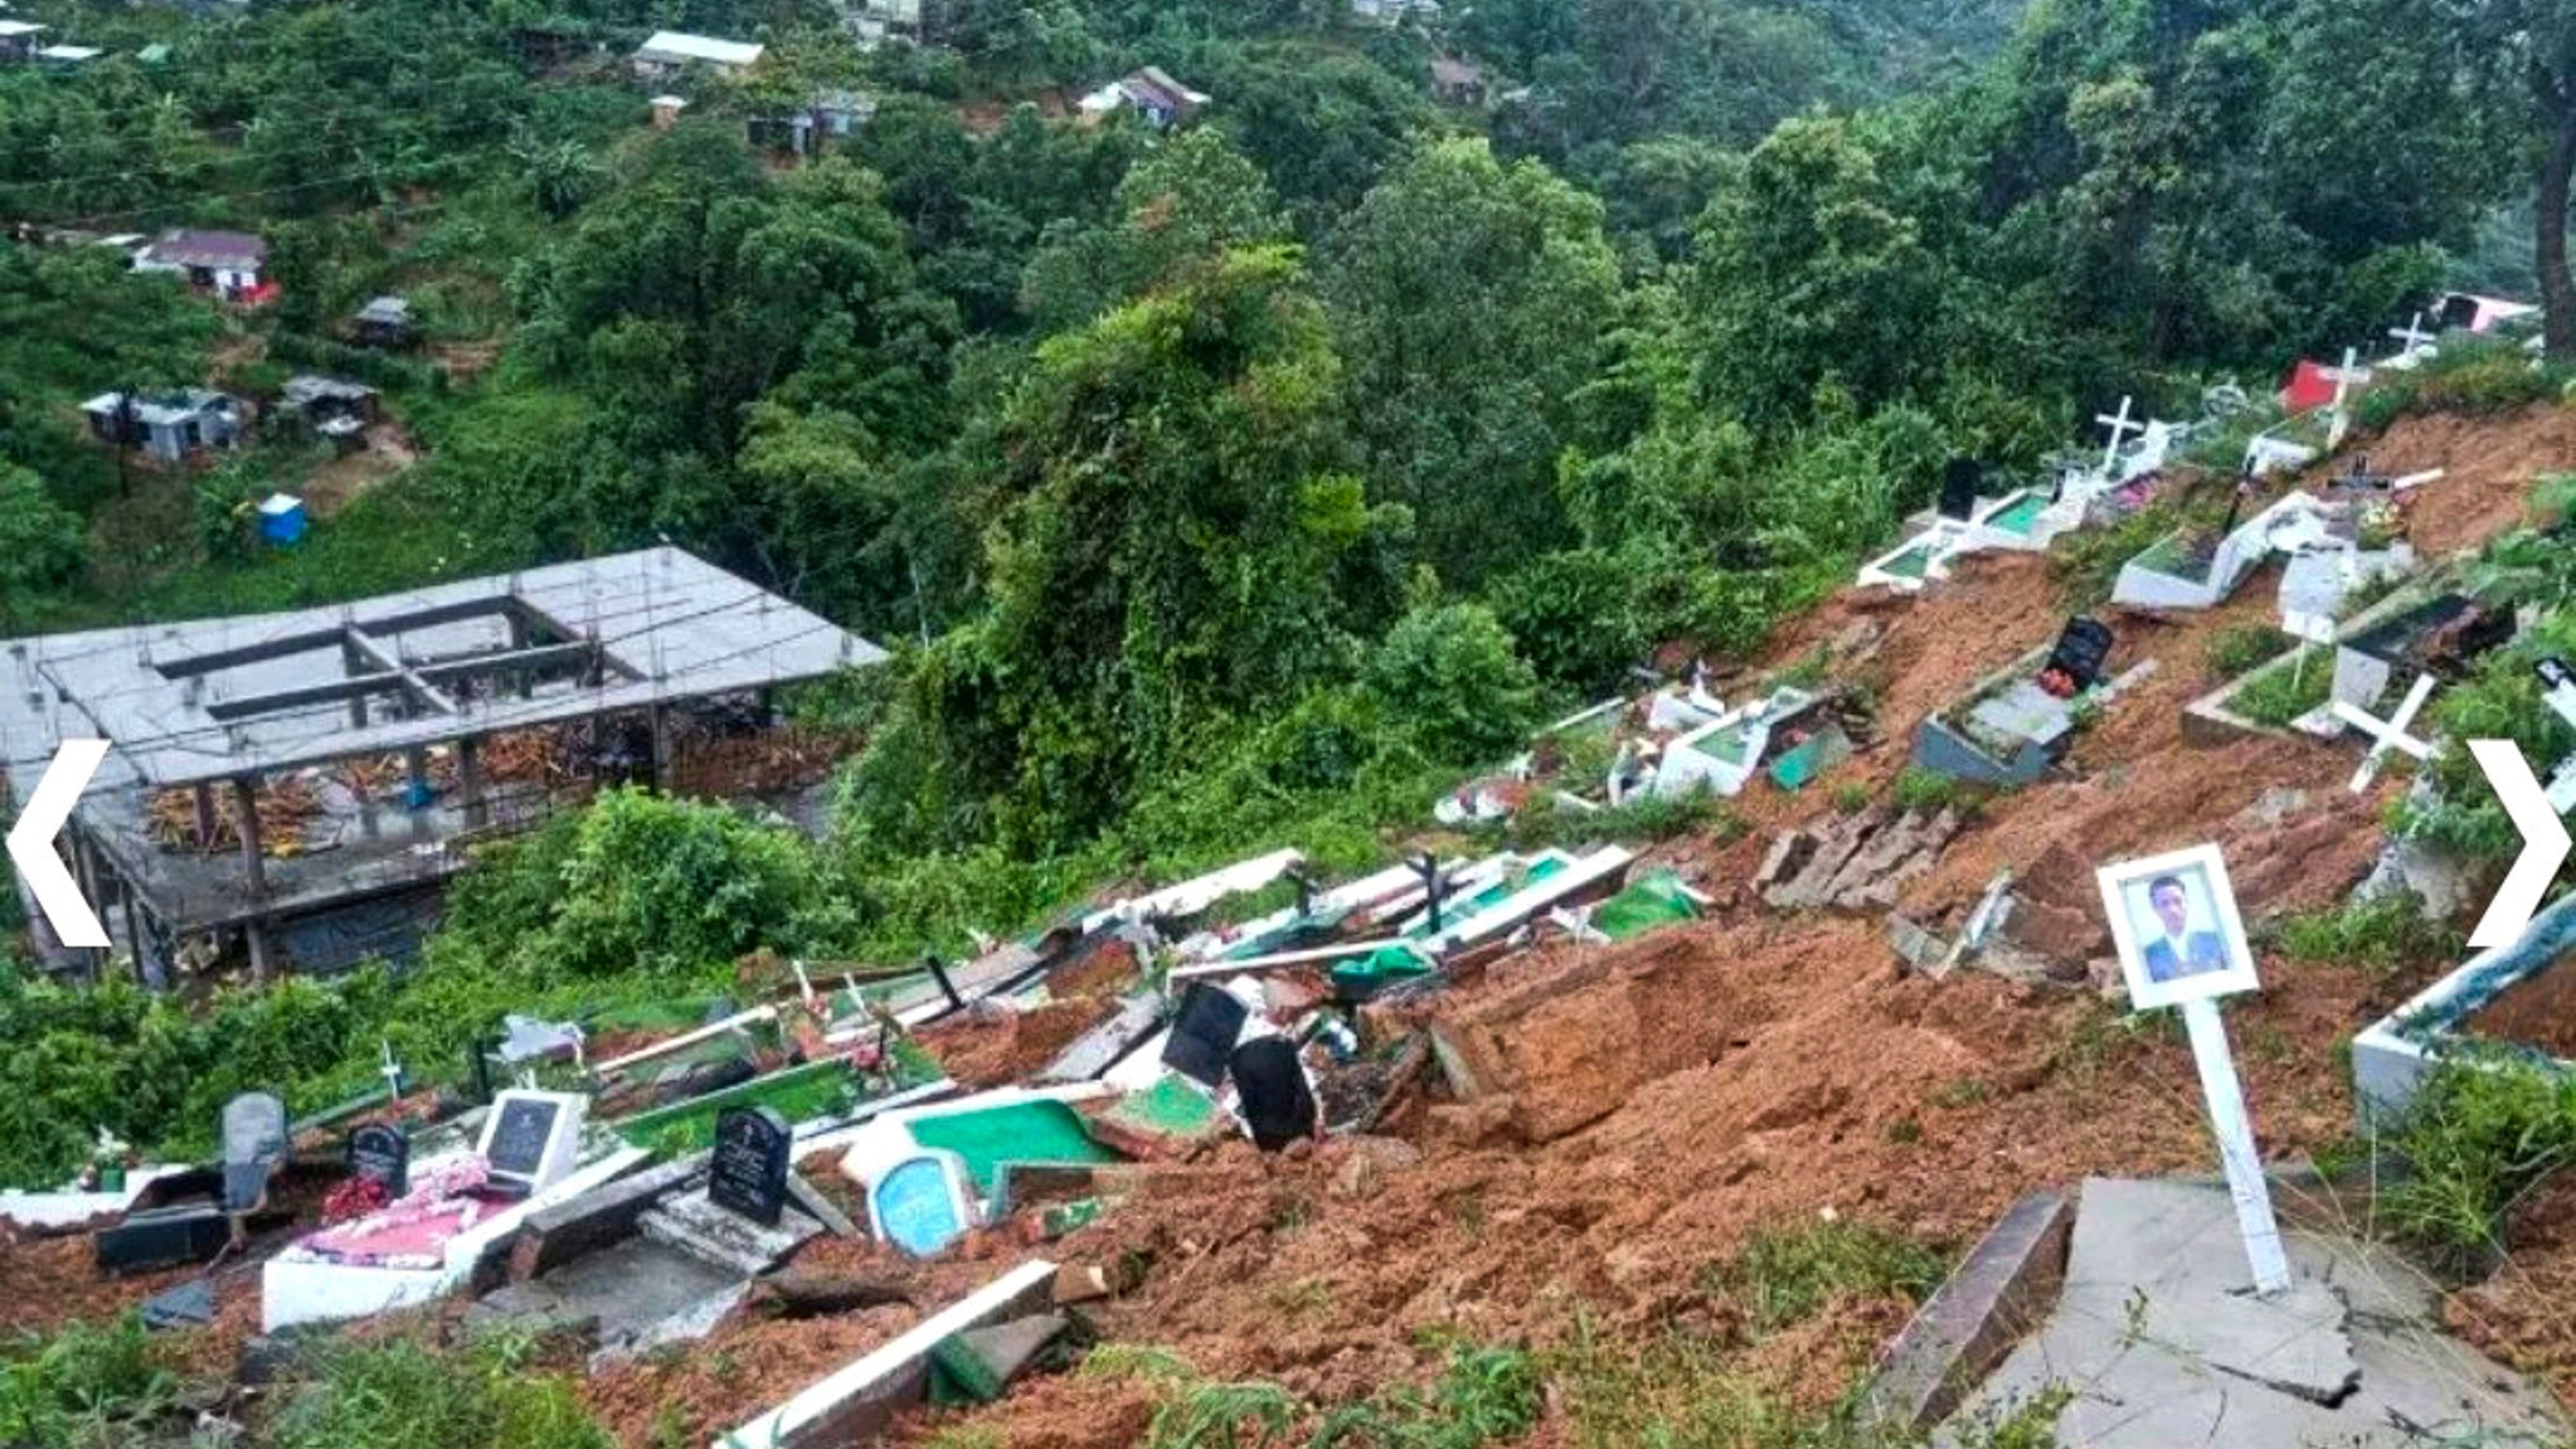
391 1071
2414 336
2120 428
2345 379
2390 735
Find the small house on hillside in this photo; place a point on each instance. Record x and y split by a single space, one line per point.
67 57
1152 91
233 265
18 39
1394 12
670 52
171 426
872 20
333 407
383 322
831 115
1457 83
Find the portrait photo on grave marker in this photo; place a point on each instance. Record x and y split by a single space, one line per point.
2175 923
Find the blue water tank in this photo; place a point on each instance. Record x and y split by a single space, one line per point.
281 519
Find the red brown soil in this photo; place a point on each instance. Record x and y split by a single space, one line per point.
2537 1011
1748 1071
2525 1313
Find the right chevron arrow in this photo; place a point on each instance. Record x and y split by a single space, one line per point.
2544 844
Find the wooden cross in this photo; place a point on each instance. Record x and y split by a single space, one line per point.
2414 336
2120 428
2389 735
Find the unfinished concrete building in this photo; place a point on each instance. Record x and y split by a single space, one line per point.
297 787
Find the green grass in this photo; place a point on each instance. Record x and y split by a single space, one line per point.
2479 1136
405 1395
1787 1275
2287 692
2380 937
2239 648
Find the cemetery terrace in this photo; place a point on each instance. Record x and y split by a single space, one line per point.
214 813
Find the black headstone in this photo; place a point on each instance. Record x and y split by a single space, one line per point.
2083 647
747 1170
381 1154
254 1141
1204 1033
519 1139
1959 484
1270 1084
2459 313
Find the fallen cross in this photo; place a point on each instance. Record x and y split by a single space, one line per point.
2390 734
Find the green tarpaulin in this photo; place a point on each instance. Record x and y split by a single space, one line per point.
1653 902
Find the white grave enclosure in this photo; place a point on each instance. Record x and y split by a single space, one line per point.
2292 523
538 1133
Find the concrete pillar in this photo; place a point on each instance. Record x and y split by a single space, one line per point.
659 720
255 866
246 804
353 664
469 780
205 815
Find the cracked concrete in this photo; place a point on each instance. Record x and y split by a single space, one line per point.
2157 1343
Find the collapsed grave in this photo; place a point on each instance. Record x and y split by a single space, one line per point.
2199 569
2128 1305
2512 999
2018 721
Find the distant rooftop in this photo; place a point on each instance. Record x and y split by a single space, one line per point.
673 47
207 249
184 703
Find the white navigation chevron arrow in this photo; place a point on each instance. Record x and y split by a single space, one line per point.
31 844
2544 844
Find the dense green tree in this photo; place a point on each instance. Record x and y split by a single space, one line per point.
1174 554
1447 677
2521 57
1190 198
1469 300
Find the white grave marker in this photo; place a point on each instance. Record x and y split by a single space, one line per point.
2388 736
2121 427
2558 685
2182 943
2345 378
2416 341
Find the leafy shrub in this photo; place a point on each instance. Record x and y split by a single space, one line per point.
2477 1137
2482 379
85 1387
2087 563
1926 791
2240 647
1448 677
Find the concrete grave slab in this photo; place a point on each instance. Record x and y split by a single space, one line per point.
636 1293
695 1224
2157 1343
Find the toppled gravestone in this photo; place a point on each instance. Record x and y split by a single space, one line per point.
1853 862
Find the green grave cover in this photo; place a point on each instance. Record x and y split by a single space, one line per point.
1652 903
1040 1131
1366 977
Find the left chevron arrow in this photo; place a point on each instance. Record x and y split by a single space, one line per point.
31 844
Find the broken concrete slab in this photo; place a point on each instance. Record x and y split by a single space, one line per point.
558 1235
636 1294
979 1364
1105 1045
864 1397
2157 1342
2005 1287
694 1224
1856 862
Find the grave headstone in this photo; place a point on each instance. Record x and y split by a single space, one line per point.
532 1138
1204 1033
747 1170
920 1204
1959 484
381 1153
1270 1085
162 1238
2083 648
254 1138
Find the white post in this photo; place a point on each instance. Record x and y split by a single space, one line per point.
2235 1133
